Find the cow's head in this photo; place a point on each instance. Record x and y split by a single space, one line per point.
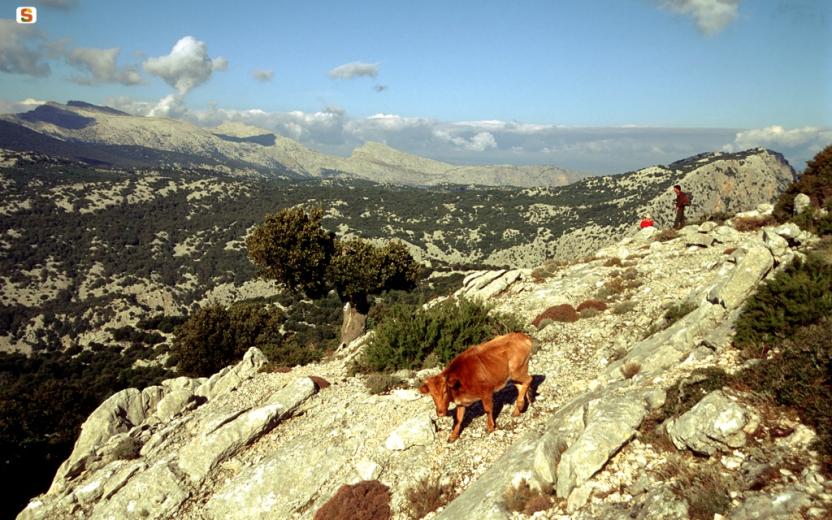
438 388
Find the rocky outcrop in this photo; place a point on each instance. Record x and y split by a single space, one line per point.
716 423
249 444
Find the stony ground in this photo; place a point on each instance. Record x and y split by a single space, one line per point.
567 359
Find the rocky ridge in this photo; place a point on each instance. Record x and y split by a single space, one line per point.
246 146
249 444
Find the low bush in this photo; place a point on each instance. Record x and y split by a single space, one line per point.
665 235
563 312
367 500
624 307
630 369
408 334
701 484
746 224
598 305
525 499
378 383
798 295
427 496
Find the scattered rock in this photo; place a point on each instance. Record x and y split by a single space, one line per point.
419 431
801 202
715 423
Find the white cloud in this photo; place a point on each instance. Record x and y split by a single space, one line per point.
712 16
23 50
99 66
186 66
262 75
354 70
799 144
172 106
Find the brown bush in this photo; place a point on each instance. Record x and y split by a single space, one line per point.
563 312
613 262
666 234
630 369
592 303
524 499
367 500
427 496
320 383
752 223
729 251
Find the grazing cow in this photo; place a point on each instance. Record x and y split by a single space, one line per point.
477 373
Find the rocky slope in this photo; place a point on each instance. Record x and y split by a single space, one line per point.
106 135
252 444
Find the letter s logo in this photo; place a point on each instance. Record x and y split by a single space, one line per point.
27 15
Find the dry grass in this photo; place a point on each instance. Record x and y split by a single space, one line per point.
666 234
623 307
613 262
427 496
630 369
525 499
701 484
752 223
378 383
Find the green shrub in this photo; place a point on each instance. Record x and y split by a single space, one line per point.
408 334
378 383
800 376
798 295
624 307
816 182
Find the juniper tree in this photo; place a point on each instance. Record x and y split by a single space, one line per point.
292 248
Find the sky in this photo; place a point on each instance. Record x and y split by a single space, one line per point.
599 86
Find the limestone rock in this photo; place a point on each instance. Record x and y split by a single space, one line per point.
219 441
725 234
707 226
610 422
699 239
151 494
789 231
282 484
230 377
801 202
780 506
419 431
775 243
750 269
714 423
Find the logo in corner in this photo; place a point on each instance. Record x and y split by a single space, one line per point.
27 15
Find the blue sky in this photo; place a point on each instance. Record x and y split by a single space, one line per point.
602 86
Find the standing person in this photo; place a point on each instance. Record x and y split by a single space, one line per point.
682 200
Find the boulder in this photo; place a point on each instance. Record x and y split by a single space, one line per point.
725 234
775 243
765 209
290 481
611 421
419 431
801 202
229 378
699 239
714 424
784 505
155 493
789 231
222 438
118 413
707 226
750 269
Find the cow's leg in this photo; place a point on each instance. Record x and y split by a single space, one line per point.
460 414
488 405
524 386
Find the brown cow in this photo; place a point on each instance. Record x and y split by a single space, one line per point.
477 373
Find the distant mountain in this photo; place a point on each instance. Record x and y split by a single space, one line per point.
102 135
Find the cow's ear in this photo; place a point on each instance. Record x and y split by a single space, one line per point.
424 389
454 383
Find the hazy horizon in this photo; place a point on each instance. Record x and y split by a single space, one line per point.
600 87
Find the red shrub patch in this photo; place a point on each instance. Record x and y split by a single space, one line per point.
320 383
564 312
592 304
367 500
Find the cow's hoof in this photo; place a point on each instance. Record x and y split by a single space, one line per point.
452 438
515 413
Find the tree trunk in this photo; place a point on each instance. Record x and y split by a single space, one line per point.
355 320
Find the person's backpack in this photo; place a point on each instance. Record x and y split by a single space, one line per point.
688 199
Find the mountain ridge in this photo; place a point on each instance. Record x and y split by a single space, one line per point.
93 125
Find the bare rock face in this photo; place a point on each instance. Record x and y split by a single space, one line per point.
715 423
